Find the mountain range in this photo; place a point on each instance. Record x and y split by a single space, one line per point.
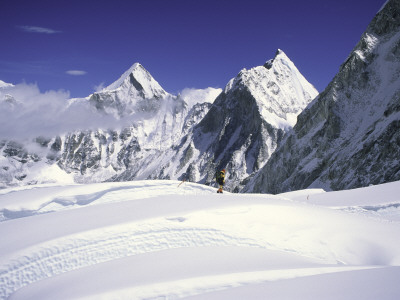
172 136
349 136
268 127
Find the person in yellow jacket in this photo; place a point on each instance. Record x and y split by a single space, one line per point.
220 178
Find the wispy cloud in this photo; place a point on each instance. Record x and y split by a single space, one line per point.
193 96
36 29
100 87
26 112
76 72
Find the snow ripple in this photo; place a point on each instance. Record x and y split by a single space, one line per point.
90 248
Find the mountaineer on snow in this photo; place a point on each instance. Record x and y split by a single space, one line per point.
220 178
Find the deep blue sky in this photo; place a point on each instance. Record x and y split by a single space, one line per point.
183 44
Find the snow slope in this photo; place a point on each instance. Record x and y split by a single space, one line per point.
349 135
124 132
243 127
171 239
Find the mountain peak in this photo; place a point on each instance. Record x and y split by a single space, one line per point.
279 55
134 69
139 78
342 140
278 88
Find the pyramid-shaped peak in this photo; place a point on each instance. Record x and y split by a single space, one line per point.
139 78
135 69
280 52
279 56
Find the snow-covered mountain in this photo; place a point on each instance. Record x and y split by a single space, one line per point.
131 93
349 136
244 125
160 139
151 122
158 121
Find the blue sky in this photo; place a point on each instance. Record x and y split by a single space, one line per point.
79 46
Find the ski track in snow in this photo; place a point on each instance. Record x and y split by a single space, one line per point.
105 244
133 191
200 285
82 250
158 220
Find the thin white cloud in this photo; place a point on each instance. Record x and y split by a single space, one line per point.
100 87
193 96
36 29
76 72
26 112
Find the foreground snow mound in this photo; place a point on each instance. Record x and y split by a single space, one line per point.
171 239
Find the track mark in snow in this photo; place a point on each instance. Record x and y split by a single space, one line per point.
113 193
207 284
384 212
177 219
89 248
381 207
61 202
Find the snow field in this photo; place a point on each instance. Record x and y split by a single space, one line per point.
167 240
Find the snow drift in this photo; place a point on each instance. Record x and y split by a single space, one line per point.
167 239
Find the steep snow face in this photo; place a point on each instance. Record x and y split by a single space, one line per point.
244 125
280 90
140 78
135 91
349 136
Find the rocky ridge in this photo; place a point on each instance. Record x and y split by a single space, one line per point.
349 136
172 136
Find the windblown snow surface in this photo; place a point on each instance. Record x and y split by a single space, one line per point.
170 240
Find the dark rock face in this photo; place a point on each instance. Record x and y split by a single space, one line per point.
80 153
18 159
348 137
244 125
235 126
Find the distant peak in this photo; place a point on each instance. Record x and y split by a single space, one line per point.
135 68
139 79
278 54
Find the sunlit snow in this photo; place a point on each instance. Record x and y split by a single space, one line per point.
172 240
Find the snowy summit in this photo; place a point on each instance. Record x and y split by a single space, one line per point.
280 89
141 79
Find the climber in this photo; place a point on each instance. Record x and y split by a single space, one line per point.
220 178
